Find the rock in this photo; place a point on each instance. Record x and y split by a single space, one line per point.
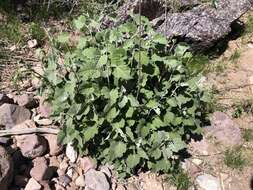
31 146
120 187
71 153
43 121
4 99
41 171
96 180
150 181
197 161
45 109
32 185
208 182
20 180
27 101
201 147
190 168
64 180
54 147
204 25
6 169
80 181
5 140
223 128
32 43
132 186
87 163
64 165
11 115
106 170
53 162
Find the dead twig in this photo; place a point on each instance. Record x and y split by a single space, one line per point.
10 132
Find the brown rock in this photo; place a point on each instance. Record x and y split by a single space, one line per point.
20 180
41 171
64 180
11 115
31 146
54 147
27 101
120 187
6 169
33 185
44 108
80 181
96 180
225 130
87 163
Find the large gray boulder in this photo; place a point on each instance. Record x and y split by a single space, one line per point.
199 24
204 25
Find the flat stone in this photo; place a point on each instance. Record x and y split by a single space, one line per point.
11 115
80 181
31 146
96 180
208 182
27 101
33 185
87 163
64 180
45 108
71 153
201 147
54 147
225 130
41 171
197 161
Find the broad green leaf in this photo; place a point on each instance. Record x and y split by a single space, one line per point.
142 153
114 94
90 53
123 102
130 133
141 57
133 101
119 149
122 72
129 112
82 43
181 49
119 124
102 60
169 117
79 23
159 38
113 113
132 160
63 38
152 104
156 154
90 132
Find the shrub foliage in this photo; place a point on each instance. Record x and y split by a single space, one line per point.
124 97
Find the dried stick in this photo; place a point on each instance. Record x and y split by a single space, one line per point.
9 132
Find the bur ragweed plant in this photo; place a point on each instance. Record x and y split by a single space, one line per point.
123 97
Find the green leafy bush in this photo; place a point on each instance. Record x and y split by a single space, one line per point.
124 98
